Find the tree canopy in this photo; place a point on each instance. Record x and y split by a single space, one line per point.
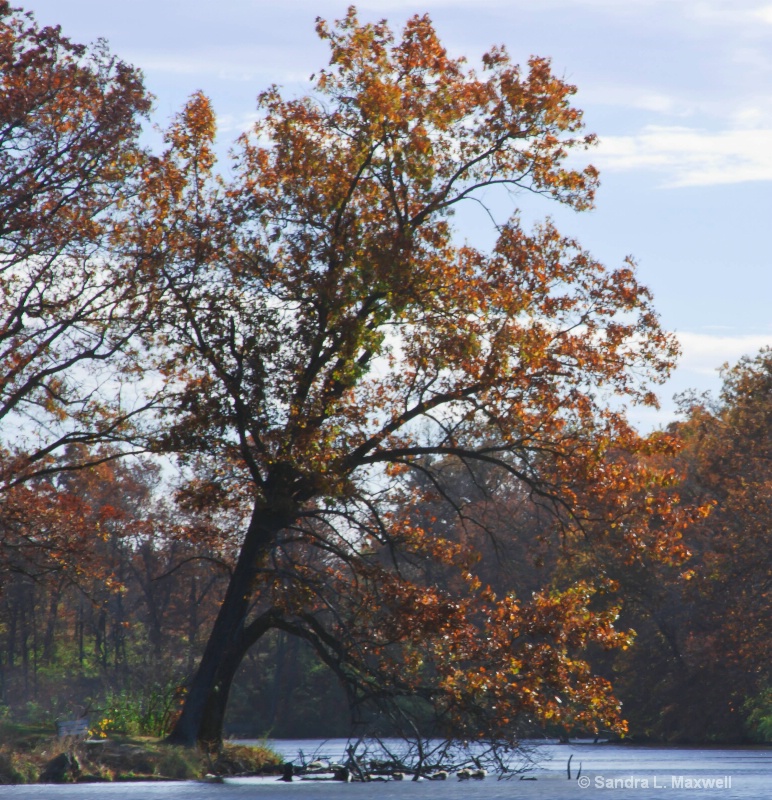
324 334
403 450
704 628
69 121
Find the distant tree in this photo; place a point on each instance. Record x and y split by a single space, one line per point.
700 664
729 451
726 633
105 584
69 120
323 333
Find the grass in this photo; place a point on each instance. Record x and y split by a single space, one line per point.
26 754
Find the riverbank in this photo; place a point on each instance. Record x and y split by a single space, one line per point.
28 757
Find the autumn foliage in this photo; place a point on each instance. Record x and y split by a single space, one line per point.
69 120
704 632
364 408
322 333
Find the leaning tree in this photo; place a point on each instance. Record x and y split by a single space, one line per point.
323 332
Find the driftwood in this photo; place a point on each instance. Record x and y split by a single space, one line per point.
375 759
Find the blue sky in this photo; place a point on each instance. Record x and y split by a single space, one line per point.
679 92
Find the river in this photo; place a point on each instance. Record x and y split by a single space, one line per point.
608 771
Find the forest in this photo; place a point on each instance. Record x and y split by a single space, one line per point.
282 454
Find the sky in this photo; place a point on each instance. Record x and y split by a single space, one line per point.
679 93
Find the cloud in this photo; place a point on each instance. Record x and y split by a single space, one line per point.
256 64
718 12
702 356
691 157
704 353
613 5
630 96
236 123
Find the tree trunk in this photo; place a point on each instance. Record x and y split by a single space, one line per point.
49 641
203 711
210 730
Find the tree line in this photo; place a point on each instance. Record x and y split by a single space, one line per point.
273 433
115 620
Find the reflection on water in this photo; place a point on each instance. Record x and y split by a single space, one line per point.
611 772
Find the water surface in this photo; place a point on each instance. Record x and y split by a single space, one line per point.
610 772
